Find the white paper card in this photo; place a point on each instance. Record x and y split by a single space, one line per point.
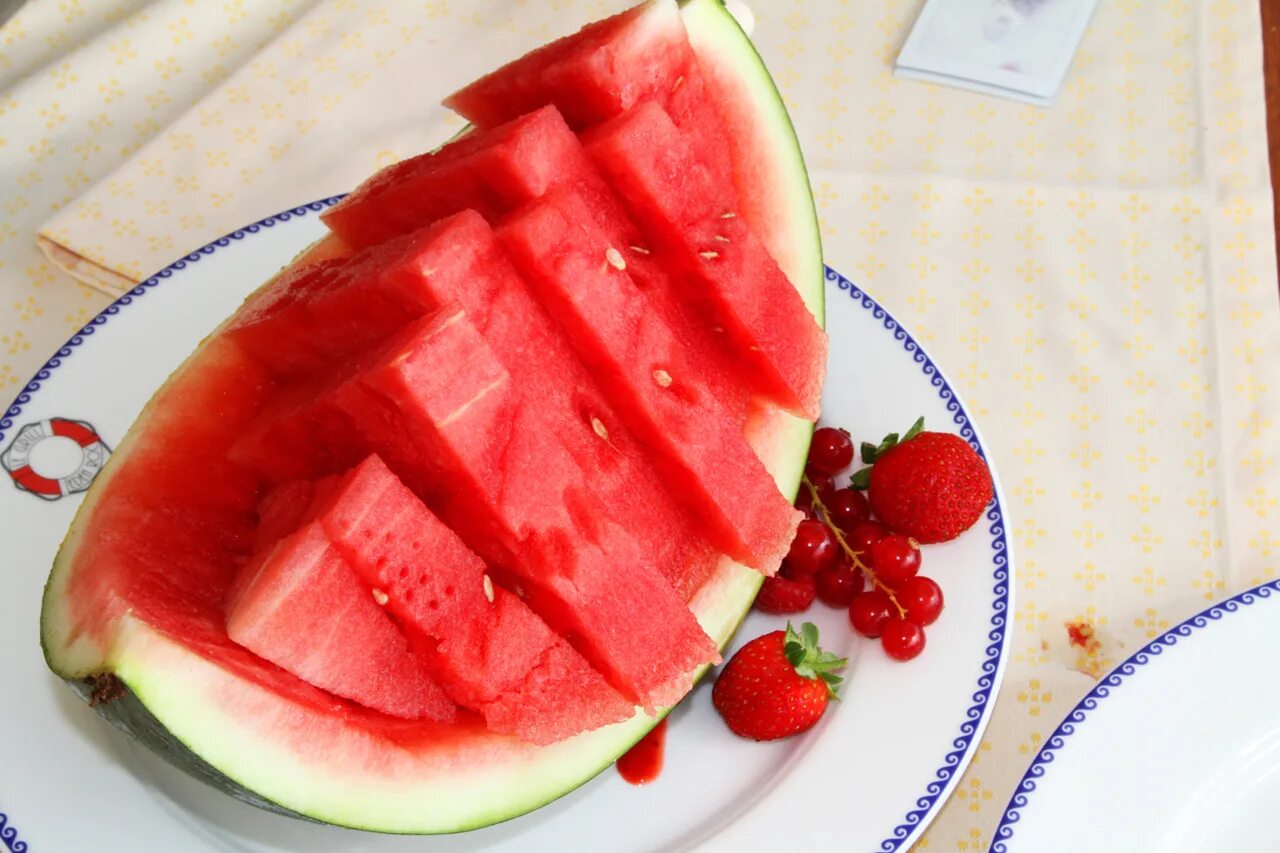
1011 48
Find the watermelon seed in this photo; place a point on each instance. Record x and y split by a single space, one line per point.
722 238
640 250
662 378
379 596
728 215
598 427
615 259
708 255
488 588
676 85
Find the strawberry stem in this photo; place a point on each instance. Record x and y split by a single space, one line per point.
853 555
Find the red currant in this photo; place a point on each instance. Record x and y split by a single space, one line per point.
921 598
847 507
837 584
902 639
894 559
864 534
821 482
831 450
869 611
780 595
813 549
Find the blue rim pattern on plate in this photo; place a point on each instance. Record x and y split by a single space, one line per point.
975 715
1103 689
971 728
9 836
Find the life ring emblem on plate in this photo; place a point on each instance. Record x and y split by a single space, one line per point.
52 471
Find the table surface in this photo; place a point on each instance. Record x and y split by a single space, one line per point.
1271 66
1097 278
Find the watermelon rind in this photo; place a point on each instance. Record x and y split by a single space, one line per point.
273 753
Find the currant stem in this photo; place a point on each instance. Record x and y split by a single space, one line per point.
853 555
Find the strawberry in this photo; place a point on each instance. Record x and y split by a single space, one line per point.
785 595
931 486
777 685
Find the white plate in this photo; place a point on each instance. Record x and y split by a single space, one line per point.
1178 749
871 775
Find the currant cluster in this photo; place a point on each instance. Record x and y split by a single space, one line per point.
844 557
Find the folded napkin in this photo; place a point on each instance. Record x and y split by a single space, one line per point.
349 87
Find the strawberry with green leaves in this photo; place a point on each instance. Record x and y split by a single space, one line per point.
929 486
777 685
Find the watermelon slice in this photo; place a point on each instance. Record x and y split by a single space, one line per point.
697 443
493 654
713 97
734 281
135 598
301 434
604 71
303 608
499 170
444 413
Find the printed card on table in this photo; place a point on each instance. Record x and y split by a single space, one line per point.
1017 49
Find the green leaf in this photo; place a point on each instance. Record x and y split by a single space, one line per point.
861 479
808 658
916 429
868 452
810 632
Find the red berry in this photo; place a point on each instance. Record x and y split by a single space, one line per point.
865 534
813 548
902 639
837 584
894 559
921 598
869 611
777 685
781 595
932 487
847 507
821 482
831 450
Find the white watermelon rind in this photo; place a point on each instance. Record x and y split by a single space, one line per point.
251 743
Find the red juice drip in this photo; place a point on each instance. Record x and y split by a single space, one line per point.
643 762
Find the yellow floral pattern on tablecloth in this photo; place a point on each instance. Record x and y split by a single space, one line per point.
1097 278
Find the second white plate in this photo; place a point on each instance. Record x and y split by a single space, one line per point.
1176 751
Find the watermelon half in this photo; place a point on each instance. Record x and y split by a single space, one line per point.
269 739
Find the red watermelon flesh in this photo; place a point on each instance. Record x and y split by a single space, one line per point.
304 609
298 436
442 411
492 653
610 47
501 169
697 443
604 71
321 314
732 277
302 434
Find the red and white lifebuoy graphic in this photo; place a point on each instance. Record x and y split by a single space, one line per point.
16 458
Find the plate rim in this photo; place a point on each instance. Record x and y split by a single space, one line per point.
977 714
1107 687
